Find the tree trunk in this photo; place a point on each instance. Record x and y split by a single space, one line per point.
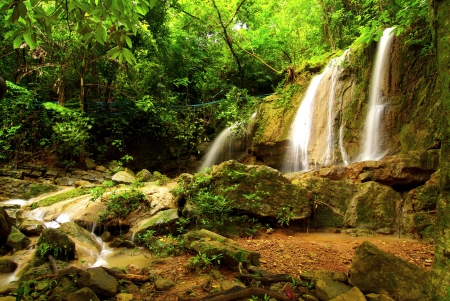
328 24
83 106
439 11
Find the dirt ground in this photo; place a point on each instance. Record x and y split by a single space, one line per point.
289 252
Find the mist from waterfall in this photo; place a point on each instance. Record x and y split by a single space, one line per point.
371 141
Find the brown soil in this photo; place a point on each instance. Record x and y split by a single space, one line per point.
287 252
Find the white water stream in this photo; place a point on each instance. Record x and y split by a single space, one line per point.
371 148
296 158
226 146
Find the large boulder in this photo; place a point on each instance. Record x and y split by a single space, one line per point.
99 281
373 206
56 243
7 265
31 227
159 199
374 270
327 289
163 222
17 240
5 226
126 177
259 190
210 244
83 294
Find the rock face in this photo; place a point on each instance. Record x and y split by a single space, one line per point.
5 226
99 281
374 270
210 243
259 190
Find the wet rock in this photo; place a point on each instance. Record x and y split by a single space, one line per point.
65 181
100 168
378 297
17 240
162 284
353 295
83 294
106 236
90 165
82 183
7 266
80 234
210 243
5 226
36 268
123 177
374 270
327 289
124 297
144 176
163 222
99 281
56 243
31 227
11 188
159 199
336 276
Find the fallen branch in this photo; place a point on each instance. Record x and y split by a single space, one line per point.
131 277
7 292
267 279
53 262
237 293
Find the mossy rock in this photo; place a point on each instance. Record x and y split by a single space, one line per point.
17 240
61 197
162 222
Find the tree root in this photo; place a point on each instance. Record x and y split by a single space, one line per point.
267 279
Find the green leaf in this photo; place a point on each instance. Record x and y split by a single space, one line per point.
108 4
152 3
16 14
22 9
29 39
114 52
17 42
129 56
129 43
34 2
101 34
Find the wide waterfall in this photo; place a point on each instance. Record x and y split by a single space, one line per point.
314 129
371 146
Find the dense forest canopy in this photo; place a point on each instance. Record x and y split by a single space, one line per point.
94 77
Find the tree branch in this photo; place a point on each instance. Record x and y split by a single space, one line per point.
256 57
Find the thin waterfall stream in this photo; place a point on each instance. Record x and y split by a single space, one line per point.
371 146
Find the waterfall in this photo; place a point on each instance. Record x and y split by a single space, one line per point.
313 130
371 149
296 158
226 146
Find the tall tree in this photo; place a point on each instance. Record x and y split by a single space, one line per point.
440 22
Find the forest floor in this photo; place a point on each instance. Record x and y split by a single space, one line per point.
287 251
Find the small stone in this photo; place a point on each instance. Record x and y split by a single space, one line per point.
124 297
162 284
100 168
106 236
7 266
83 294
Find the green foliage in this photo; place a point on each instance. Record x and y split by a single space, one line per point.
38 189
161 246
285 216
160 178
46 248
34 290
60 197
203 261
120 203
24 125
213 211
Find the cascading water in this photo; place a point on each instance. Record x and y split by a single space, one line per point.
299 152
335 71
297 156
226 146
371 149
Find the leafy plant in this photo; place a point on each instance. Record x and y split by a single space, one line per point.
203 261
120 203
285 216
